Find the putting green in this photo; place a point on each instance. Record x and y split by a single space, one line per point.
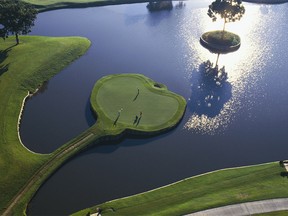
133 101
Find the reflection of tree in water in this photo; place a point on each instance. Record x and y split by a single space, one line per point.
180 5
159 5
210 90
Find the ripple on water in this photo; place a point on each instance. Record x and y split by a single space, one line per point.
244 67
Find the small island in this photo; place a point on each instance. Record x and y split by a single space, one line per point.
220 42
136 103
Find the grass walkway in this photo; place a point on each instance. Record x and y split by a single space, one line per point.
24 68
220 188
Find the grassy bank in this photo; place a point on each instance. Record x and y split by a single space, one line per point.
24 68
211 190
59 4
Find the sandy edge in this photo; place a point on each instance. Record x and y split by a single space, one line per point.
19 122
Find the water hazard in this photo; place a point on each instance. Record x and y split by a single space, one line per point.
244 122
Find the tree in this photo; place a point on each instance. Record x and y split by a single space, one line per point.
229 10
16 17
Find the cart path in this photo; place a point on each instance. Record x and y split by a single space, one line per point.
37 176
248 208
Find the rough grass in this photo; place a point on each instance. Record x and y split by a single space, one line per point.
135 93
221 38
23 68
211 190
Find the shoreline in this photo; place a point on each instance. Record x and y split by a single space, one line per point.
71 5
19 121
192 177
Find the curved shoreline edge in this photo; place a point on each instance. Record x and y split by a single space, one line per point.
17 161
192 177
219 189
19 123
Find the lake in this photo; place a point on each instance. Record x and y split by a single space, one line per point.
244 122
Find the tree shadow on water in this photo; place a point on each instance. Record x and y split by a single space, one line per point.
210 90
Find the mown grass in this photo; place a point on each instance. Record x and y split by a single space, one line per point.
211 190
23 69
132 94
45 5
277 213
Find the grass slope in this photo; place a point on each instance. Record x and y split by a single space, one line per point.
134 93
210 190
24 68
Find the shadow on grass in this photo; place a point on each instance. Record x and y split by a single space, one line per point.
284 174
3 56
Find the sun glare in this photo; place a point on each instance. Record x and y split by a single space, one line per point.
238 64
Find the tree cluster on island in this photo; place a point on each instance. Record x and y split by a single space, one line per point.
229 10
159 5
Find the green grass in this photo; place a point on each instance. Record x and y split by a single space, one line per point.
24 68
211 190
277 213
160 108
218 38
44 5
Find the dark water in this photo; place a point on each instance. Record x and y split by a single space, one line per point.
246 124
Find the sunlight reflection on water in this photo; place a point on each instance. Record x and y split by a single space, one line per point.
244 67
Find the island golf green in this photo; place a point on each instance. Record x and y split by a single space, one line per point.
135 102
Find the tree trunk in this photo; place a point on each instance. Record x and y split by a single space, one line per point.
216 65
17 39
